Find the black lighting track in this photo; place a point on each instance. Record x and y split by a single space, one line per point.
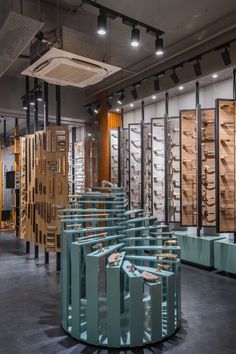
129 21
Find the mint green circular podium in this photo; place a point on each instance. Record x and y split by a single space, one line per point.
114 305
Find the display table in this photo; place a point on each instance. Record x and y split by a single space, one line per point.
225 256
197 250
118 304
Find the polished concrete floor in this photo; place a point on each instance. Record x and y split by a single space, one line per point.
30 320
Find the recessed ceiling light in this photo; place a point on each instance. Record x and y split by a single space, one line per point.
154 97
131 105
117 109
181 87
214 76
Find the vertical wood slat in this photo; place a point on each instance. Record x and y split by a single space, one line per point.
106 121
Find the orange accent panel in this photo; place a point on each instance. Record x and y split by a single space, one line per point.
106 121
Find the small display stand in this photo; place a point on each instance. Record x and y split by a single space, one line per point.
120 278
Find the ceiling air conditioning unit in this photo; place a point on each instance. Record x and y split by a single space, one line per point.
70 67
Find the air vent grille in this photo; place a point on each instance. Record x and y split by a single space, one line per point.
15 35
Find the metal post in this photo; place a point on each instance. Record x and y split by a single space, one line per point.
166 157
28 105
4 133
142 158
119 157
36 110
199 162
46 257
234 84
234 97
36 251
58 261
45 104
73 140
58 105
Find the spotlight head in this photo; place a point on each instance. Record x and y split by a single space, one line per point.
226 56
31 99
174 77
134 92
197 67
121 98
39 95
89 109
159 46
24 103
135 37
156 84
97 107
102 24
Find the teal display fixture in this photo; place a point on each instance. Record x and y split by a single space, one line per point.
197 250
225 256
131 302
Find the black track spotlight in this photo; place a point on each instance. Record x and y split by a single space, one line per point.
102 24
159 47
121 98
156 84
39 95
31 99
197 67
134 92
226 56
97 107
89 109
135 37
24 103
174 77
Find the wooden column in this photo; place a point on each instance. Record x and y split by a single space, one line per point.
106 121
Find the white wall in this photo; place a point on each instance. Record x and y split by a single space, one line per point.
208 95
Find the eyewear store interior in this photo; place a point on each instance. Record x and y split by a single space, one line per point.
117 177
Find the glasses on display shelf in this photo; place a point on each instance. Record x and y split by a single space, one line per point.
176 184
226 124
207 139
189 148
205 123
158 152
137 159
175 170
209 154
209 170
135 130
158 124
189 117
114 135
114 159
173 129
227 108
174 158
115 147
158 139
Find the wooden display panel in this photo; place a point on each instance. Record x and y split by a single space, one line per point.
135 165
208 167
225 165
30 187
188 172
158 168
173 170
23 197
114 155
52 184
124 159
147 171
